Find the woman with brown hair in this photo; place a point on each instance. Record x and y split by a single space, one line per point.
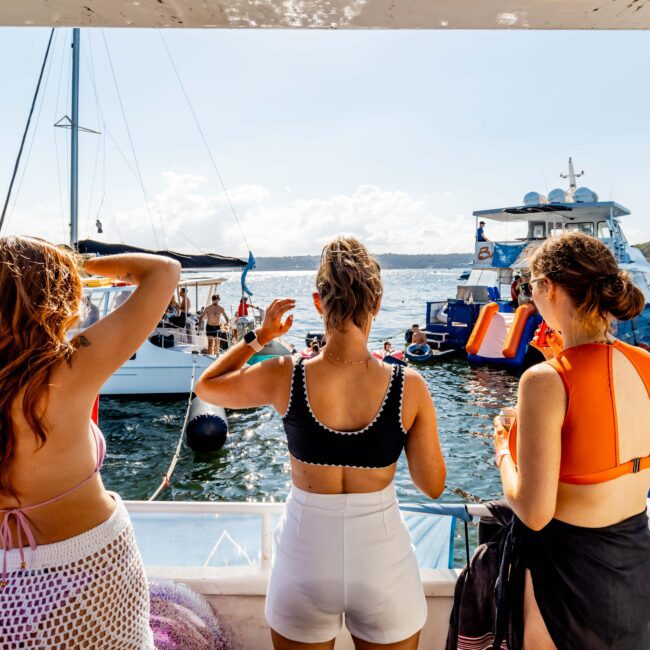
71 572
341 546
575 466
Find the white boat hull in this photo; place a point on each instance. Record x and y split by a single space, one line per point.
156 371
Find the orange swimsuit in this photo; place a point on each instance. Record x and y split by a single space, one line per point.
590 451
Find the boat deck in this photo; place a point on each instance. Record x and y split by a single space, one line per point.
224 550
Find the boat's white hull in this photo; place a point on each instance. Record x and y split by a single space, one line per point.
156 371
168 371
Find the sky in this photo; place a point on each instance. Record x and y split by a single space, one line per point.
393 136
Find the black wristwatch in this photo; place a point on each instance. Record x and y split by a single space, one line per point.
250 338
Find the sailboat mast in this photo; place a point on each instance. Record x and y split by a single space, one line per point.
74 140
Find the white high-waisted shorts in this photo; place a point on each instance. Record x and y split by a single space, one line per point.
344 554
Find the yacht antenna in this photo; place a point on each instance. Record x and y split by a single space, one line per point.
572 175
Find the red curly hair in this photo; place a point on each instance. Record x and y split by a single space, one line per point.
41 290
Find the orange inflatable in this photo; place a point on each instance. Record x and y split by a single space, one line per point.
481 327
511 344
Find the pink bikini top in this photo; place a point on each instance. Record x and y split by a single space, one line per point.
22 523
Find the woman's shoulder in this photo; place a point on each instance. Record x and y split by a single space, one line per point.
541 380
415 385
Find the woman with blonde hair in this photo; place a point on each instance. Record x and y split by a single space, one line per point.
71 572
575 465
341 546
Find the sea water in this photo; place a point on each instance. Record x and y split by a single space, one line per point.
254 464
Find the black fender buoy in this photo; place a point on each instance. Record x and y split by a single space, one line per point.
207 426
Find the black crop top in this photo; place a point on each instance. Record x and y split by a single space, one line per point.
379 444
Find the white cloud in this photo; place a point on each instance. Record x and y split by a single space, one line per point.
187 210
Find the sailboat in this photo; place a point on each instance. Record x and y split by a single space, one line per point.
172 358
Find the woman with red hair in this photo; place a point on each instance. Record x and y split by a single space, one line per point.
71 573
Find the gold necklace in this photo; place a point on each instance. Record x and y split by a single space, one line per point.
345 361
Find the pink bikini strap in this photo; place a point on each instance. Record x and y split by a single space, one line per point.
22 525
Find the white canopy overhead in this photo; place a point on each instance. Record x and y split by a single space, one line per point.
332 14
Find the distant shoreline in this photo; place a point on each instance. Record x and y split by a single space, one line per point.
386 261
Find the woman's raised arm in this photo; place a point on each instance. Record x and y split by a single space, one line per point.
230 383
104 346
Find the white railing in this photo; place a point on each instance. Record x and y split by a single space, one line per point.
265 511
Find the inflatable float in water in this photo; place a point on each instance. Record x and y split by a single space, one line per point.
424 353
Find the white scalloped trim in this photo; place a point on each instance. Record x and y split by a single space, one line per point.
293 371
401 403
306 462
348 433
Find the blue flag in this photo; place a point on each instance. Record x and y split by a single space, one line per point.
250 266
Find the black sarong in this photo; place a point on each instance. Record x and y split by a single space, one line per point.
592 586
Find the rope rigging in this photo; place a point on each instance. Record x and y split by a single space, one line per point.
56 141
128 131
177 454
203 138
29 119
34 132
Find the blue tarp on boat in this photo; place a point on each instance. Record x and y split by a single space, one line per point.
505 255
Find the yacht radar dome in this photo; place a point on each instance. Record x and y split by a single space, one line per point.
558 195
535 198
585 195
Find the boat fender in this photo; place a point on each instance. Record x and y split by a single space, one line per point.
207 426
480 329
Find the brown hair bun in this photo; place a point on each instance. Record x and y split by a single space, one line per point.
348 283
587 270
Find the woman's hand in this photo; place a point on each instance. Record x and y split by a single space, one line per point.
554 344
272 327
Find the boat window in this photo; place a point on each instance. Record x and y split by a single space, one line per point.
587 227
603 230
537 230
118 298
555 230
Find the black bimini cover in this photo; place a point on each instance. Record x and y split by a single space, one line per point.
200 261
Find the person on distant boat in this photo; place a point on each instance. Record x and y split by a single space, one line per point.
525 292
214 313
242 309
71 574
418 337
480 232
515 291
172 308
575 465
388 349
185 304
90 312
342 546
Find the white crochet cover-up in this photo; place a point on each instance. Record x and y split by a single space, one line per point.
88 591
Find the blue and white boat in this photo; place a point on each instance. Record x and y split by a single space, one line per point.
450 324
